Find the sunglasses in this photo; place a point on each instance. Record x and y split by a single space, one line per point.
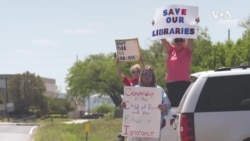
148 74
136 72
179 40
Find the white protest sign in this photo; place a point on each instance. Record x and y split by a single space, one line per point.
127 49
141 117
175 21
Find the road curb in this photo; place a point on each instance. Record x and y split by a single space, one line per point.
20 124
6 123
27 124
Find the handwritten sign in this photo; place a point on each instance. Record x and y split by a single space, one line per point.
141 117
175 21
128 49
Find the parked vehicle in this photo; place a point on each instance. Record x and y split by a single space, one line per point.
215 107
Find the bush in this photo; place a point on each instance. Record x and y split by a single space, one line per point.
1 100
105 108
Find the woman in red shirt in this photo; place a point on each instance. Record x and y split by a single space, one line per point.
135 71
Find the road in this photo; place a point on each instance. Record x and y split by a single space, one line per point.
16 132
168 133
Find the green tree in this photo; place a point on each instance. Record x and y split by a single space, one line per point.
246 25
1 100
59 106
96 74
203 56
26 91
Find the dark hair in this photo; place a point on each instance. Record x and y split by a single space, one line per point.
178 40
141 83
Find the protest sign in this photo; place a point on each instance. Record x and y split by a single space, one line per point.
127 50
141 112
175 21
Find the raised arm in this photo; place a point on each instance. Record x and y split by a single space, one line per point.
166 45
142 61
190 44
120 74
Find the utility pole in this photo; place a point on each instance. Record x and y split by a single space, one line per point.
6 90
88 105
7 97
23 100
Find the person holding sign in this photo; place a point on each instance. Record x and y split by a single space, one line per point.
178 65
147 79
135 71
128 51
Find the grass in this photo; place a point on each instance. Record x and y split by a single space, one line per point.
105 129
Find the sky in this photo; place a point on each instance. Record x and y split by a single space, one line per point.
46 37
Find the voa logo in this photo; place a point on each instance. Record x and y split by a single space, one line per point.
222 15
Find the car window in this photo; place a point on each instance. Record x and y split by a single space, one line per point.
227 93
184 97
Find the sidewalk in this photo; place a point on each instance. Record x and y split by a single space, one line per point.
76 121
7 123
19 124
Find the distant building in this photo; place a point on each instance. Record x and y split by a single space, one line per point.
50 84
87 104
61 96
96 100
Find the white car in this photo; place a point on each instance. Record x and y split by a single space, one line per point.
215 107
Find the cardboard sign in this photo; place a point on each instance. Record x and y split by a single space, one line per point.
141 117
127 50
175 21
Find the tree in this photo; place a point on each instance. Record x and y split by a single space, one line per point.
246 25
26 91
96 74
59 106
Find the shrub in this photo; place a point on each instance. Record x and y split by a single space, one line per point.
105 108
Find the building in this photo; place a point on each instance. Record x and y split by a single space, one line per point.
50 85
96 100
51 88
85 105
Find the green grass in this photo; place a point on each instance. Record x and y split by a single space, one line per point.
105 129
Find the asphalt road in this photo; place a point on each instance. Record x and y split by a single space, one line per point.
16 132
168 133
